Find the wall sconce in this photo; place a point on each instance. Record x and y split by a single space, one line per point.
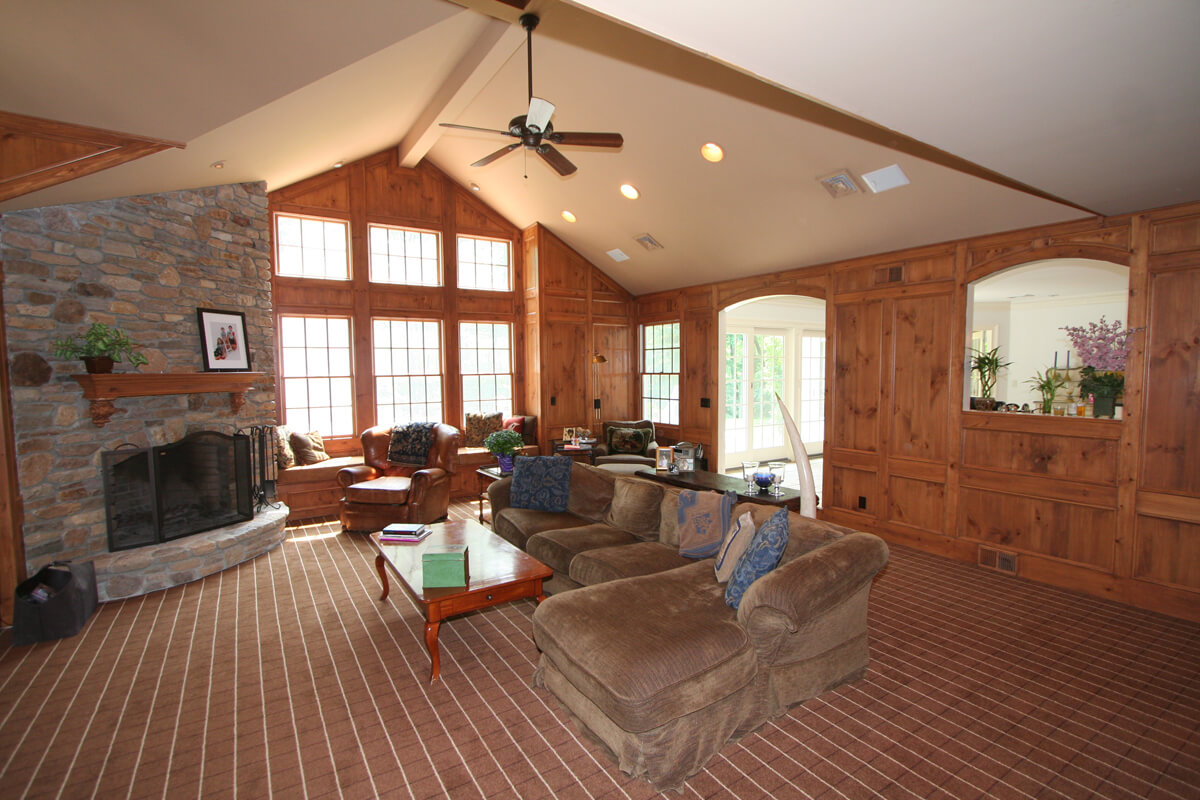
597 360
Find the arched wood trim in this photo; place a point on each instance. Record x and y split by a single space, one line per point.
1050 251
763 292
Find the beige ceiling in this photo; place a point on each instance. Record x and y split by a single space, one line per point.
281 90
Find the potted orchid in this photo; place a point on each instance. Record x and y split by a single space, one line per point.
1102 348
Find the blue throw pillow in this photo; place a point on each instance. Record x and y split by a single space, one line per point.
541 483
762 556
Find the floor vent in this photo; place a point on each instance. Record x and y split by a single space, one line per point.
999 560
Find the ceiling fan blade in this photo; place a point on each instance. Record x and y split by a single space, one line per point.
503 151
473 128
539 114
556 159
587 139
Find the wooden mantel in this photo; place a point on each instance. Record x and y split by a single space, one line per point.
103 389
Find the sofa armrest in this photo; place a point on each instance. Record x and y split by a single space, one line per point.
348 476
498 495
790 596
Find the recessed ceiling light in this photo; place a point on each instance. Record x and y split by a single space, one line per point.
339 164
881 180
568 216
629 190
712 152
474 187
217 165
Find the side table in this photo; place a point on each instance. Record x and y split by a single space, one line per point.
585 453
485 477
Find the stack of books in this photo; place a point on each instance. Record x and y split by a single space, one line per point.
404 533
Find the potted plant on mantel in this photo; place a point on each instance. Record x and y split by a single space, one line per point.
102 346
504 445
988 364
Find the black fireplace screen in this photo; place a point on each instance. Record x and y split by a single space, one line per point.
161 493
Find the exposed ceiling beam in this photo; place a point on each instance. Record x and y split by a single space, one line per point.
479 65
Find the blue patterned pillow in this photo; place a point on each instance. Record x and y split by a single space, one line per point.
703 518
760 557
541 483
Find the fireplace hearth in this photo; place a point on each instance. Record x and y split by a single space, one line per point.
158 494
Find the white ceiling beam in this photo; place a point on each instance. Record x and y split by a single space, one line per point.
479 65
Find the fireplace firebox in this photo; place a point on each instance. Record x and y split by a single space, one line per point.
156 494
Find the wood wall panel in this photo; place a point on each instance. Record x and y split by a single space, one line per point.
698 334
407 196
916 504
1177 235
290 293
1060 456
852 418
920 377
565 364
917 267
1168 551
473 218
616 342
1171 436
844 487
571 271
1080 534
576 307
328 195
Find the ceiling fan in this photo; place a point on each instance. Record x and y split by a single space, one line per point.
534 130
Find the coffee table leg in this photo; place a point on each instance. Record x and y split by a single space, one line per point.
380 564
431 642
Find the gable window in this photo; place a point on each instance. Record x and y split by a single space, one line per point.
485 359
484 264
408 370
660 373
404 255
312 247
318 390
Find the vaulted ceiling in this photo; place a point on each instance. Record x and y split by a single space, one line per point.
1001 115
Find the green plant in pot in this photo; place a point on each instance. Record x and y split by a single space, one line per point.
988 364
101 347
1104 387
1048 383
504 444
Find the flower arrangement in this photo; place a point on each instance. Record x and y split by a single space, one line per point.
1102 346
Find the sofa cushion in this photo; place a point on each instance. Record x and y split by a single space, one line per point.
388 490
737 539
591 492
630 441
761 556
626 561
479 426
668 522
516 525
703 519
541 483
665 646
556 548
634 508
309 448
285 457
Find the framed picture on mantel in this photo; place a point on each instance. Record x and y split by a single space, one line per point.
223 340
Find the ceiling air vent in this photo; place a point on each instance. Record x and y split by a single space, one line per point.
649 242
839 184
616 254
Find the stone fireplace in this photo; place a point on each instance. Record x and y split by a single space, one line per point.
143 264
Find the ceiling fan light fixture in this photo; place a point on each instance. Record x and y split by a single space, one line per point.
630 191
568 216
711 151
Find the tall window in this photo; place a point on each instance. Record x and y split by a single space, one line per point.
312 247
812 387
405 255
660 373
484 264
408 371
317 386
485 359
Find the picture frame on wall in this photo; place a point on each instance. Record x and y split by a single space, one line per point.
663 458
223 340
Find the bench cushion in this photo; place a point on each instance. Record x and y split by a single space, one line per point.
391 490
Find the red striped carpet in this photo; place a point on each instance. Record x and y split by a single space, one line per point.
286 678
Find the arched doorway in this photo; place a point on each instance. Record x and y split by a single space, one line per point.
771 344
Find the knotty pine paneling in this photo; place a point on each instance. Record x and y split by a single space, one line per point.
414 197
1168 551
562 267
1080 534
573 307
879 273
920 377
565 363
327 195
698 334
616 376
473 218
312 296
1060 456
852 418
845 486
1171 436
1176 235
916 504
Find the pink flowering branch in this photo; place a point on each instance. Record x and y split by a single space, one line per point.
1101 346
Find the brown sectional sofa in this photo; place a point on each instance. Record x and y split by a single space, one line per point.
647 657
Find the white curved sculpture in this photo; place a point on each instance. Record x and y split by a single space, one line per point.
808 487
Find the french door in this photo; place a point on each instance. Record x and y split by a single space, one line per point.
756 367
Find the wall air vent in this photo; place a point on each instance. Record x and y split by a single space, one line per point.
649 242
839 184
999 560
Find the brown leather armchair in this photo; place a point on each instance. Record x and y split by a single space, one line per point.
378 493
602 455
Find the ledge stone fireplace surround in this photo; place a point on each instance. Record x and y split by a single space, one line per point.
143 264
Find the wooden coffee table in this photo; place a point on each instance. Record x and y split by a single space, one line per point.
499 573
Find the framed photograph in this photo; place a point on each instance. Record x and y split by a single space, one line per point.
223 340
568 433
663 457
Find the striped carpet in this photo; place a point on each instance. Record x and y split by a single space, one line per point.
286 678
